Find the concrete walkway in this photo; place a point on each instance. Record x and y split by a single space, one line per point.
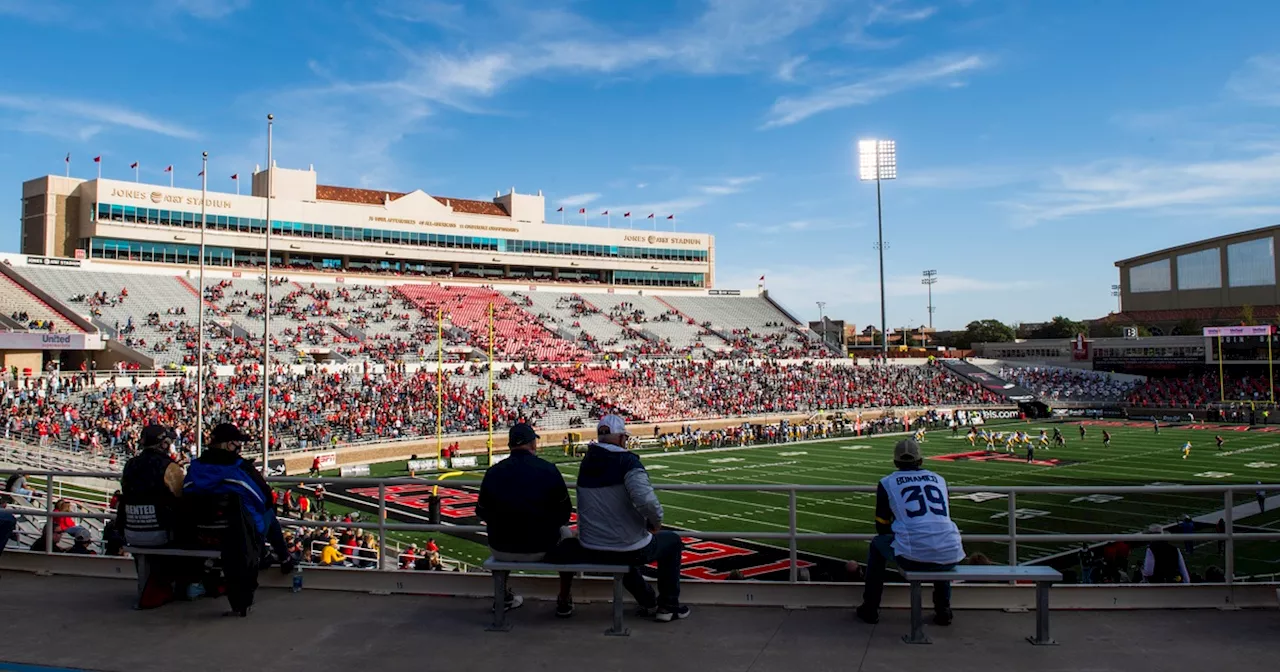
83 623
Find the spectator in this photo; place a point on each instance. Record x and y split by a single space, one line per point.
620 521
331 555
221 470
525 505
151 485
915 531
82 539
1163 562
8 523
17 485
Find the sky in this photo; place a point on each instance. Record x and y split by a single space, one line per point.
1038 142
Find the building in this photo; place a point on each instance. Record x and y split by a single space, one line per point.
1210 282
342 229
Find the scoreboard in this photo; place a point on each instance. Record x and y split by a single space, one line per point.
1242 344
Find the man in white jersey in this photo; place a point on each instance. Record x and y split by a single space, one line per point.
916 532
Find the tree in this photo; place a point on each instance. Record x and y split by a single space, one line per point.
1187 327
1246 315
1110 328
1061 327
986 331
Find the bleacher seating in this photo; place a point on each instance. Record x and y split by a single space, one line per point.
518 336
1059 384
27 311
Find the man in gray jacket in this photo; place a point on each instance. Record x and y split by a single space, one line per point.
620 521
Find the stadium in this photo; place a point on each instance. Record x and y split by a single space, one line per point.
379 358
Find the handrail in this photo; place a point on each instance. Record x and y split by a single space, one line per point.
1012 537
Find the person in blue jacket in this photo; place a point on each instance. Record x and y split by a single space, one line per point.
221 470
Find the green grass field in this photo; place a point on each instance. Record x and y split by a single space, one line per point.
1137 456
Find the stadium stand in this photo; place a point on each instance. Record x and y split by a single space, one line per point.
1198 391
23 310
1060 384
518 335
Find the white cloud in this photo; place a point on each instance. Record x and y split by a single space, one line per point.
578 200
448 15
1259 81
787 70
93 114
924 72
1137 185
888 12
966 177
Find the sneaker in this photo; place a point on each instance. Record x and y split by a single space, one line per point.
666 615
513 602
942 617
646 612
564 609
868 615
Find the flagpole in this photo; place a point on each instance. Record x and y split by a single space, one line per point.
609 220
490 383
673 222
68 160
439 387
584 216
562 216
99 162
170 177
204 189
135 172
266 320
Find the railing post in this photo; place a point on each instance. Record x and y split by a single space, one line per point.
48 513
382 526
791 523
1228 504
1013 529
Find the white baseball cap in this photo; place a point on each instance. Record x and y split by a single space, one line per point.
611 424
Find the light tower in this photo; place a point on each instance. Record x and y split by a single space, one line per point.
878 160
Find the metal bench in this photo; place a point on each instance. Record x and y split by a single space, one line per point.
1042 576
501 570
142 553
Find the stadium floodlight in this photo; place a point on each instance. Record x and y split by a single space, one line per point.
878 160
929 280
822 320
1115 291
266 313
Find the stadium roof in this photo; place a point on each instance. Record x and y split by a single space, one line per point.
1206 241
325 192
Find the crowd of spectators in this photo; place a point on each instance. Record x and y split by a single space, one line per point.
1059 384
660 391
1200 391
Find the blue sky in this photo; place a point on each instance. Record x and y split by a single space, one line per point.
1038 142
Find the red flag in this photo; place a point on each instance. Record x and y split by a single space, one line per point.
560 209
626 214
582 211
671 216
134 164
68 159
236 177
650 216
762 278
604 213
169 169
200 174
97 159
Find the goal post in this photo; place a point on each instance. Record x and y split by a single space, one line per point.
1243 339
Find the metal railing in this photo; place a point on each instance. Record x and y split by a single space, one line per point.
1012 537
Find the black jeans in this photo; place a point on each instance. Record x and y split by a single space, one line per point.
666 548
877 558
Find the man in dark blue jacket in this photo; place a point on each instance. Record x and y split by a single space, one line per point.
525 504
220 470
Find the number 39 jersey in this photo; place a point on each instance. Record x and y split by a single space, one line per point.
922 527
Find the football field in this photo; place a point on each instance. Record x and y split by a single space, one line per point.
1137 456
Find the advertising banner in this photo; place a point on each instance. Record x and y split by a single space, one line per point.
354 470
328 460
1259 330
423 465
41 341
460 462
